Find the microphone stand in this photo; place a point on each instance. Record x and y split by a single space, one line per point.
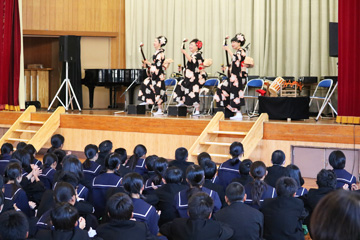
126 90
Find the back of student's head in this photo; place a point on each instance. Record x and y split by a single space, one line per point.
139 151
49 159
257 171
7 148
30 149
181 154
195 175
20 145
173 175
13 171
70 178
203 157
13 225
326 178
209 169
200 206
337 160
24 157
72 164
286 187
120 207
278 157
235 192
149 162
60 154
160 166
64 217
133 183
122 153
244 167
64 192
57 140
294 172
112 161
336 216
236 151
90 152
105 146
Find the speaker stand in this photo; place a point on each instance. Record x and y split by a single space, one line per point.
69 92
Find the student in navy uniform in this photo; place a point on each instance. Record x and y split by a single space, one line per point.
105 148
199 226
277 170
143 212
103 182
149 164
181 156
294 172
166 194
337 160
210 171
13 225
258 190
67 224
247 222
136 162
49 170
195 177
160 166
120 210
32 151
230 169
57 142
90 168
6 152
244 170
284 215
123 170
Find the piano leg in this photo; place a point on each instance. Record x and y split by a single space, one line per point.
111 103
91 96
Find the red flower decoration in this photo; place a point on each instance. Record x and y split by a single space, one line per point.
199 44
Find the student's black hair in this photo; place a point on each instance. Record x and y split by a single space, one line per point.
160 166
12 171
200 206
133 182
70 178
286 187
122 153
244 167
57 140
149 162
60 154
20 145
195 40
236 150
13 225
105 146
181 154
278 157
90 152
31 150
49 159
235 192
209 169
326 178
63 192
337 159
6 148
72 164
24 157
294 172
139 151
120 206
257 171
112 161
336 216
195 176
237 38
203 157
64 217
173 175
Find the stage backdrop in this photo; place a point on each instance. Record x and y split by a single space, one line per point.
287 37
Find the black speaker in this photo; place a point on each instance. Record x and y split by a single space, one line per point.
136 109
68 48
37 104
177 111
333 39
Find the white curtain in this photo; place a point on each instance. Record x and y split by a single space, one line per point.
288 37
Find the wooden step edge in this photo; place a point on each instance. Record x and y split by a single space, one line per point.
25 131
214 155
33 122
18 140
215 143
229 133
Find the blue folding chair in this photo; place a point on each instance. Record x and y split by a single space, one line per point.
170 85
255 84
324 84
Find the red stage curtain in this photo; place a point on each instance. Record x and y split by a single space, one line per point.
9 55
349 52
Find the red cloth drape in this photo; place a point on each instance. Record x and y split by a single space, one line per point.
10 40
349 53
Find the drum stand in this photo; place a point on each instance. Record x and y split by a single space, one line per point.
69 92
326 102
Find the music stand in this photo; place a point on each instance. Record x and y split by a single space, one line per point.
126 90
69 92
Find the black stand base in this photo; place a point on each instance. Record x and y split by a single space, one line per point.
136 109
177 111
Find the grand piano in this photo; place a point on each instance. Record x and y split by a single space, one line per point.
112 78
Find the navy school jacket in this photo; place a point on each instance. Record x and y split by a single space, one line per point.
145 212
344 177
91 172
47 177
18 196
226 173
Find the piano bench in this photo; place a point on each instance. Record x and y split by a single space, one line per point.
177 111
136 109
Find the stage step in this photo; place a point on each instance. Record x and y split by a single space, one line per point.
228 133
34 122
216 143
17 140
25 131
